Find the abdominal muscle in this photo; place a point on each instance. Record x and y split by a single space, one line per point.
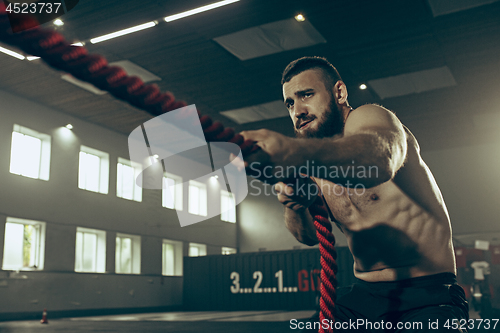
389 235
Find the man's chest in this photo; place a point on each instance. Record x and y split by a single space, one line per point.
351 204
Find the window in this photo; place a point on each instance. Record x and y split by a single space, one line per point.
227 207
172 199
197 198
24 244
228 250
172 258
196 250
126 186
30 153
93 172
90 251
128 254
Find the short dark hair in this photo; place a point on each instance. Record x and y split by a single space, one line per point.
328 71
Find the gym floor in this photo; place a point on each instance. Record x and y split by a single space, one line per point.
171 322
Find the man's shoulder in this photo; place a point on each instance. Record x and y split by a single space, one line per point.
371 118
372 107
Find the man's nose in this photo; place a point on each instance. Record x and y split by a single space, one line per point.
300 110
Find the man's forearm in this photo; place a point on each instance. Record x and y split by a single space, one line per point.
300 224
359 159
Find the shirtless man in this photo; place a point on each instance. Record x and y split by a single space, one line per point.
395 220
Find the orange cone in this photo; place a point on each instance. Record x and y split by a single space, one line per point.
44 317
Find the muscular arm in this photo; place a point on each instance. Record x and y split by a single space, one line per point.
373 146
300 224
298 220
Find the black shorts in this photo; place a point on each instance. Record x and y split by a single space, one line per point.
434 303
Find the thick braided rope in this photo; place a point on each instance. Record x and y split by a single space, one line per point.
328 263
58 53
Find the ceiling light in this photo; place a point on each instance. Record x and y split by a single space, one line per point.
78 44
12 53
58 22
362 86
69 126
123 32
31 58
215 177
300 18
198 10
156 156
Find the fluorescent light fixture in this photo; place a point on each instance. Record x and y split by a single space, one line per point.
69 126
84 85
259 112
123 32
413 83
12 53
198 10
362 86
78 44
270 38
441 7
300 18
58 22
31 58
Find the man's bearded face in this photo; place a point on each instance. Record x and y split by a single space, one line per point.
330 123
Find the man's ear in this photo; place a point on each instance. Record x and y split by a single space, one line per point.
340 92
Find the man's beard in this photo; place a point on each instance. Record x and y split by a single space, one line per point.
330 124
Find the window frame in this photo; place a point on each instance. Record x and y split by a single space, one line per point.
202 249
100 250
228 250
103 181
40 251
135 253
227 216
178 198
178 257
137 190
201 211
45 152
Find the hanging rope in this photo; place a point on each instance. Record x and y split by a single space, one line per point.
58 53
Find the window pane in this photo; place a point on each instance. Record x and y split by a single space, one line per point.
223 206
232 208
178 194
118 254
35 246
29 246
168 201
228 250
126 181
194 199
125 255
168 259
79 251
89 252
13 246
89 172
203 201
194 251
25 155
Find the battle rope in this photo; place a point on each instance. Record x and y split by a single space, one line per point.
58 53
